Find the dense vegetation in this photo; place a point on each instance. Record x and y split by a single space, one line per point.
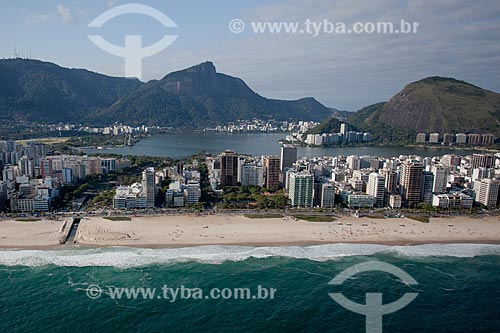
33 90
330 125
315 218
200 95
367 119
37 91
434 104
118 218
263 216
252 197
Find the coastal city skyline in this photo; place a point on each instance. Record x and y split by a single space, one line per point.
250 166
31 179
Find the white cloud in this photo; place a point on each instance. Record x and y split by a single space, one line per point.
456 38
65 14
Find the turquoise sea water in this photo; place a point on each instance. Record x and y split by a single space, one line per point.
458 289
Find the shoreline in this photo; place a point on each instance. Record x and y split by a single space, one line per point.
256 245
78 247
164 232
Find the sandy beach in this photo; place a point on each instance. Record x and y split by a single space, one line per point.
37 234
190 230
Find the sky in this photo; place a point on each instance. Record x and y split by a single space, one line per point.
455 38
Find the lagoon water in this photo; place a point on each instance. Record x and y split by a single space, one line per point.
256 144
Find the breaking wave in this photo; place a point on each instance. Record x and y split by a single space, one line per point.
133 257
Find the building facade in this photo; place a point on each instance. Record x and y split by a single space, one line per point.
376 188
229 168
288 156
272 172
411 183
300 190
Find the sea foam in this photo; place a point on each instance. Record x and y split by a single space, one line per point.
122 257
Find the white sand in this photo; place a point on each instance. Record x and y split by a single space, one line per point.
30 234
187 230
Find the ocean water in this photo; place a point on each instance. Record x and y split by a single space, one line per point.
458 287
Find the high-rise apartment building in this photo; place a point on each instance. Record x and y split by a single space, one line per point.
451 160
487 139
448 138
421 137
327 199
390 180
353 162
3 195
149 186
434 138
229 168
488 192
376 188
108 164
343 129
427 186
461 138
272 172
288 156
252 174
483 161
411 183
440 178
46 167
300 191
192 192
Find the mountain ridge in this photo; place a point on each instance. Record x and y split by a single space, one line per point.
439 104
33 90
432 104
